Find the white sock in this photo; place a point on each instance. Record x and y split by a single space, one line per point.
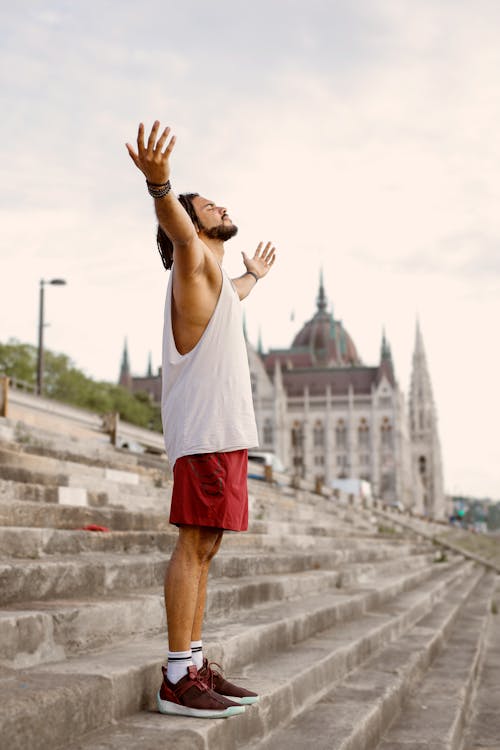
177 664
197 652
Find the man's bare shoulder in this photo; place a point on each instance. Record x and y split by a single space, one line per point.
207 273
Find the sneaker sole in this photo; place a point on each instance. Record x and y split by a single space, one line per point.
175 709
248 700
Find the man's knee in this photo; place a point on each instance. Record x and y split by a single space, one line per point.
200 542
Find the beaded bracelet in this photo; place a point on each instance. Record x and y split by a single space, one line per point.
254 275
159 190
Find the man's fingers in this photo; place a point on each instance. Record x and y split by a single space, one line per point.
170 147
259 248
162 139
140 138
153 134
268 250
133 155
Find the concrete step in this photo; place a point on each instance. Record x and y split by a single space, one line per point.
108 483
435 715
53 630
127 531
35 543
93 452
299 662
16 459
483 730
63 515
97 492
98 451
357 711
60 516
89 573
43 459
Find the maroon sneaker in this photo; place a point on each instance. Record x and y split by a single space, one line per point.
215 681
191 697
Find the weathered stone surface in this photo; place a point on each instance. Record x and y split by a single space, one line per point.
334 624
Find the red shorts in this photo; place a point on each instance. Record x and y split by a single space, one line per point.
210 489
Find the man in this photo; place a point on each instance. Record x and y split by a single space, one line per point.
207 415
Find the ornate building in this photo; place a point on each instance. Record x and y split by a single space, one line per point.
327 415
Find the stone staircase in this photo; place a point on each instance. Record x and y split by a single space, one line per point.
353 634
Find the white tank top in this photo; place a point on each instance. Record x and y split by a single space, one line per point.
206 394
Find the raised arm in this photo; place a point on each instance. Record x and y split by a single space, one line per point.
153 160
256 268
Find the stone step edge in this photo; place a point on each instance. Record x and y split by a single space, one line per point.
390 680
460 704
482 727
44 623
70 576
41 542
276 708
417 529
125 733
106 457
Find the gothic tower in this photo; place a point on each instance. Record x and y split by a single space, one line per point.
125 376
426 449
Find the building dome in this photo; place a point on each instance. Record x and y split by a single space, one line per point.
325 338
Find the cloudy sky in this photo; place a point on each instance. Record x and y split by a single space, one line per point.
361 136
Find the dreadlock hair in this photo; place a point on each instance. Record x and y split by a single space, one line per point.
163 241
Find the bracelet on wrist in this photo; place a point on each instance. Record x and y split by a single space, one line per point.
254 275
158 190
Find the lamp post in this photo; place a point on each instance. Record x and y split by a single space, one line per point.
41 324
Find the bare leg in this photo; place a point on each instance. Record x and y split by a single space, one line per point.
202 592
193 551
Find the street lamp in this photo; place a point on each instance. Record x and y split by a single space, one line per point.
41 324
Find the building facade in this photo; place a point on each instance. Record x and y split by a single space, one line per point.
327 415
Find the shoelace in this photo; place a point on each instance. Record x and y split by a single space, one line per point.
193 681
212 673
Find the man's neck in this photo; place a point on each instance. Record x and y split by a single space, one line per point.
216 246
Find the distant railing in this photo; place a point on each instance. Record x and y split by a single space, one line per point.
20 385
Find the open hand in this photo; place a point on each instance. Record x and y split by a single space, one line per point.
153 159
262 260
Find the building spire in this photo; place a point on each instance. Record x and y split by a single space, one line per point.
260 348
125 378
385 349
321 298
426 449
149 372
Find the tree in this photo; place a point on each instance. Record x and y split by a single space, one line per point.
65 382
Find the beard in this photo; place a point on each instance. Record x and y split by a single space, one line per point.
223 232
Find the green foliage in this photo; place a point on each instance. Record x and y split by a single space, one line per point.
18 361
64 382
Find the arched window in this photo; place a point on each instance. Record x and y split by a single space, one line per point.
319 435
386 434
341 435
297 437
268 432
363 434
